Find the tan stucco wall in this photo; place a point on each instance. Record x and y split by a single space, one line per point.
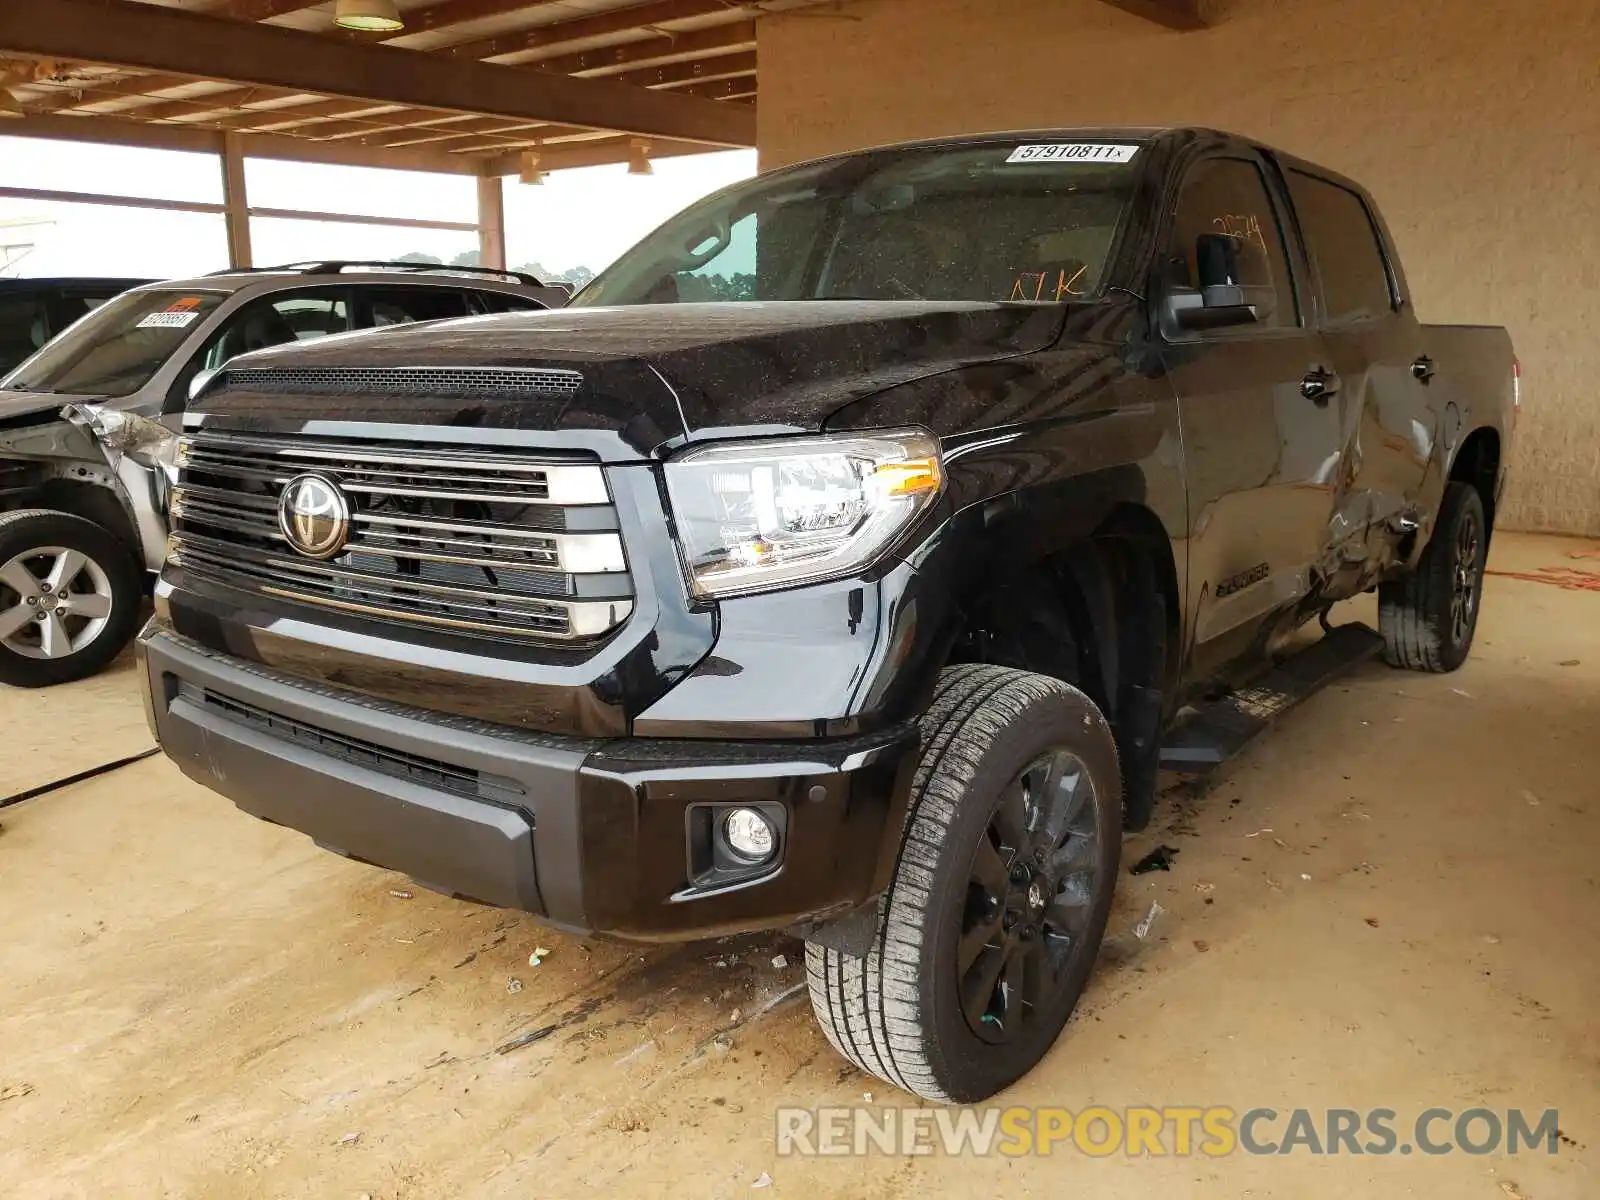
1476 123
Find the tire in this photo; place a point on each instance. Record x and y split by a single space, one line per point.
83 632
1429 616
901 1011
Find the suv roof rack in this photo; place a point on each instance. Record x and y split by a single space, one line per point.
339 266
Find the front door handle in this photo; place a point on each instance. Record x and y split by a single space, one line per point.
1422 369
1318 385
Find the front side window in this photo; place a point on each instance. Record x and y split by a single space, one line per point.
1225 229
119 347
1344 249
276 320
999 221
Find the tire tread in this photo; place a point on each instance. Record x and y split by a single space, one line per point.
869 1006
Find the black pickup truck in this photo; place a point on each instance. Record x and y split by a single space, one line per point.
837 562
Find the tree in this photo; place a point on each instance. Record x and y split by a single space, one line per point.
577 276
425 259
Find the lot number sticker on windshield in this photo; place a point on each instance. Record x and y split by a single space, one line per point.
168 320
1072 152
177 315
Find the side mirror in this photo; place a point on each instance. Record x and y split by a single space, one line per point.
1216 316
1216 259
1222 300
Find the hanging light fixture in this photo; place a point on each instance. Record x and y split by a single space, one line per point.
368 16
530 172
639 158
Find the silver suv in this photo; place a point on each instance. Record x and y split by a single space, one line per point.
88 425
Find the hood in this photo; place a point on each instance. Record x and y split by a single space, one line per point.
17 407
651 373
34 408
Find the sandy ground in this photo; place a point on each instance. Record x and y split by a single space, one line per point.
193 1003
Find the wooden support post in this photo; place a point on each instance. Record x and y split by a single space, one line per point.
235 203
491 222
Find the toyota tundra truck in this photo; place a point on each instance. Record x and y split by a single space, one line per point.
837 562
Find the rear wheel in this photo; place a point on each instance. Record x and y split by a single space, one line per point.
989 929
69 597
1428 618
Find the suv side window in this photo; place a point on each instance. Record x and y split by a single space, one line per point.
1229 196
403 305
274 320
1343 245
24 327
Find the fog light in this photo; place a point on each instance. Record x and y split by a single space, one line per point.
750 835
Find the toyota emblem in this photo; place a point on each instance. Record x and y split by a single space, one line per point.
314 515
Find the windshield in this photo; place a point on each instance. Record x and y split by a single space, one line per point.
116 349
998 221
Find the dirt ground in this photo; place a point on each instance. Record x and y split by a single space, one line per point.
1391 900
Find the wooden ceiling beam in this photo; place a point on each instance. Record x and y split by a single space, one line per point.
720 39
1182 15
599 153
160 39
78 95
258 10
114 132
724 66
621 20
459 12
736 88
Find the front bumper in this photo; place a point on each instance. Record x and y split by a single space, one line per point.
594 835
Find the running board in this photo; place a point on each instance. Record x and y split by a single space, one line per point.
1219 729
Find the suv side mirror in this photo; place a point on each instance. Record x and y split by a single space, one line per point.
1222 300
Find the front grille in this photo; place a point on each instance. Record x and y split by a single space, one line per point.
548 382
414 768
478 541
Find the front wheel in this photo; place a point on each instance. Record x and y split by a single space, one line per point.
69 597
990 926
1429 616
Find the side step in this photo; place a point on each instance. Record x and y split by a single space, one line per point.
1219 729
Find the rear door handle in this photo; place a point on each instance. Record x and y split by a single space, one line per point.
1422 369
1318 385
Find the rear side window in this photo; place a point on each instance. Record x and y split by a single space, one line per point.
403 305
1343 244
1228 197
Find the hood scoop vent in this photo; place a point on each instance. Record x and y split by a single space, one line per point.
543 382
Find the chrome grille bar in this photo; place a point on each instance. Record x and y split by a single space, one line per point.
469 540
442 474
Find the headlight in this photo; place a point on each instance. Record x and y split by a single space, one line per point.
754 516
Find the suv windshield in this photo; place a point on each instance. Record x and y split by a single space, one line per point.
996 221
116 349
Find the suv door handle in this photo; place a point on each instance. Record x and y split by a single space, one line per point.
1422 369
1318 385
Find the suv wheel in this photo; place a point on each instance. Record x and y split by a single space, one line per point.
1428 617
69 597
989 928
